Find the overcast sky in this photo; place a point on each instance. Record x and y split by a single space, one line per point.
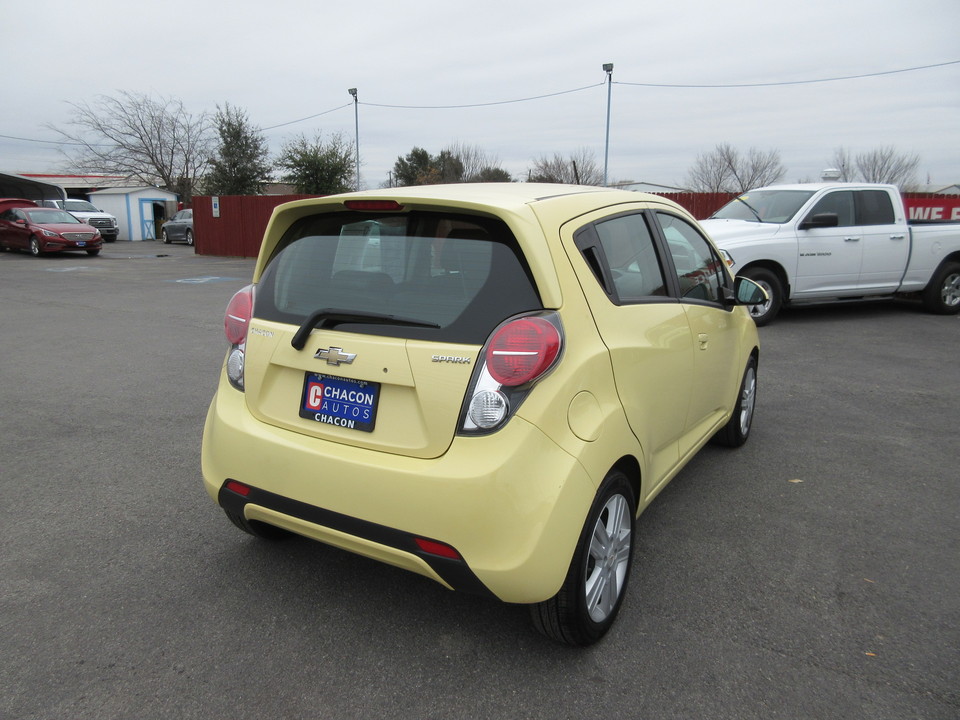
281 61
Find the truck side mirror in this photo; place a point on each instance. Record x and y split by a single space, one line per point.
820 220
748 292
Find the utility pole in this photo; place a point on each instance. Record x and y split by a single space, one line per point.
608 69
356 130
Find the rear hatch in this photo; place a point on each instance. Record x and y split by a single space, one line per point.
367 327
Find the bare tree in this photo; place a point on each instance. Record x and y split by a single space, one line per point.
579 168
153 141
477 164
882 165
724 169
886 165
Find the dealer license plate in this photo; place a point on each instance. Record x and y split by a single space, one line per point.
343 402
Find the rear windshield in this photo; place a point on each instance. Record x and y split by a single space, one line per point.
458 276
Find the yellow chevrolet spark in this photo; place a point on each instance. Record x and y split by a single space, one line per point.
484 384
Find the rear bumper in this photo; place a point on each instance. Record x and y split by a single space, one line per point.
511 504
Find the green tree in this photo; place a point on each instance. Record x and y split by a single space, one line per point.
414 169
241 161
318 167
455 164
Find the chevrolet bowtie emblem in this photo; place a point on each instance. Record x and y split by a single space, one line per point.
335 356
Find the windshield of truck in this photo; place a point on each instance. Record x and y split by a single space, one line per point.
767 206
79 206
422 275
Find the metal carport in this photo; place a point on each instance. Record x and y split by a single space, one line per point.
16 186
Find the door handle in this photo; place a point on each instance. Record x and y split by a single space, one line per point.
704 339
851 239
897 237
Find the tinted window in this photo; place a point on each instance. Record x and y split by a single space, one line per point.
699 269
631 257
841 203
875 207
463 274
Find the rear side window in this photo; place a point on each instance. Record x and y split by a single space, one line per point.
632 257
460 275
875 207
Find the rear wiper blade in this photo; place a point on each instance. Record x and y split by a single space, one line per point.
330 317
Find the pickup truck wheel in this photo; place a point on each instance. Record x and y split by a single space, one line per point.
590 597
768 280
942 295
737 430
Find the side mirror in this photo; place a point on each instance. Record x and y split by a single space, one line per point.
748 292
820 220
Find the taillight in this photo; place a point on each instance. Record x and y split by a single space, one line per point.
237 318
522 350
236 321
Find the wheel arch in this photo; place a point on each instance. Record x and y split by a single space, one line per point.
630 466
774 267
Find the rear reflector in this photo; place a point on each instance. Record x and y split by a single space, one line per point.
238 488
435 548
372 205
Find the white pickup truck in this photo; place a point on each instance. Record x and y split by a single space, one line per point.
830 241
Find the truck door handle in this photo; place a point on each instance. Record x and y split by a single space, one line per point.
851 239
897 237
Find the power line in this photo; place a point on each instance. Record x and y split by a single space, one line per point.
792 82
486 104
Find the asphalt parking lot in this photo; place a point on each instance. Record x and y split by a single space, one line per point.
815 573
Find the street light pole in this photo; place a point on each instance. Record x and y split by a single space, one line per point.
356 130
608 69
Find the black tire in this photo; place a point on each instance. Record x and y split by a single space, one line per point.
256 528
93 252
737 430
164 237
189 237
942 295
34 246
600 562
769 281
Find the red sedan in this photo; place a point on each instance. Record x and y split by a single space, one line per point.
24 226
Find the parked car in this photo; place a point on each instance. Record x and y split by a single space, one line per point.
25 226
826 241
88 213
179 227
484 384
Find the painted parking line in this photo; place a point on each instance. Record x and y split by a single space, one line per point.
71 268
